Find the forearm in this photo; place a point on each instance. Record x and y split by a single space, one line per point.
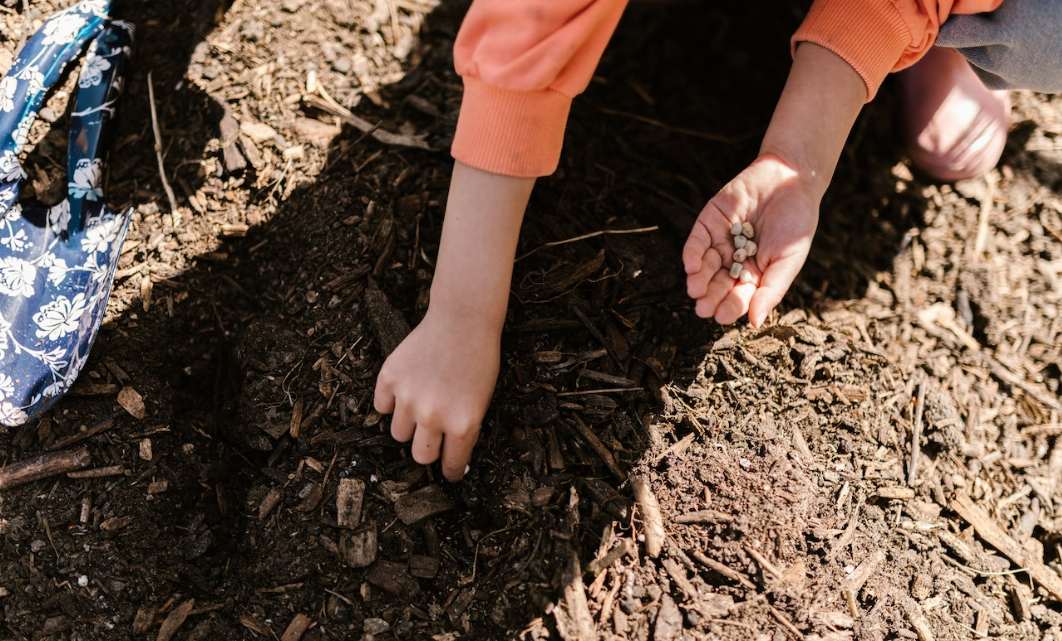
473 273
818 107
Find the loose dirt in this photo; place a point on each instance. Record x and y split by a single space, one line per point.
261 497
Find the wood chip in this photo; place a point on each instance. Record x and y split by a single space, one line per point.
174 621
423 567
917 618
132 402
995 536
268 503
599 447
391 576
668 620
424 503
652 520
903 493
574 620
298 627
145 616
359 550
349 497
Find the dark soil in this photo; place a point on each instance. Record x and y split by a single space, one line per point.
250 323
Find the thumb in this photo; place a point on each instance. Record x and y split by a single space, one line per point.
775 282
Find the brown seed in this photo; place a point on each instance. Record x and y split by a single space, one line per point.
748 230
741 254
735 270
750 248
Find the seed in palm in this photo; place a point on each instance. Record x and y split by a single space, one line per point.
750 249
735 270
745 276
739 241
747 230
741 254
736 229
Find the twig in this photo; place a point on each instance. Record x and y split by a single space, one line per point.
592 234
916 436
651 517
598 446
724 570
43 466
786 623
681 130
158 146
326 104
100 426
995 536
986 210
584 392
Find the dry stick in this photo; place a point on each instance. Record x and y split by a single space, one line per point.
593 234
725 570
995 536
916 437
652 519
100 426
158 146
43 466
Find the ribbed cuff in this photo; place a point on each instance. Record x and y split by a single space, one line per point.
509 132
870 35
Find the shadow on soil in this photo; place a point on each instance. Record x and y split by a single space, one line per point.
277 321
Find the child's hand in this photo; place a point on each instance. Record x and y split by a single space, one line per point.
438 383
783 209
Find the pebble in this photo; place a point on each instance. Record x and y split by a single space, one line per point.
735 270
736 229
741 254
746 276
739 241
748 230
750 247
343 65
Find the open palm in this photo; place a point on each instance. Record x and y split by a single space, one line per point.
783 209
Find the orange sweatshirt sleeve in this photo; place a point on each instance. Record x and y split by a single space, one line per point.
877 37
522 62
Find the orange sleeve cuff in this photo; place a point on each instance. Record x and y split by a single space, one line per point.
510 132
870 35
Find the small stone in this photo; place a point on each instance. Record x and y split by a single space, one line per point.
342 65
739 241
735 270
750 247
82 581
746 276
740 255
736 229
748 230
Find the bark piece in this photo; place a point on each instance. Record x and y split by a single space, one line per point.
44 466
574 621
360 549
423 567
349 498
392 577
391 326
175 620
424 503
132 402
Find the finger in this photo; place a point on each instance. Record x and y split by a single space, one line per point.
735 304
693 253
774 284
383 399
426 445
718 287
403 424
457 451
697 282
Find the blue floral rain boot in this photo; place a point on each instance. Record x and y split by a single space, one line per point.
57 263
